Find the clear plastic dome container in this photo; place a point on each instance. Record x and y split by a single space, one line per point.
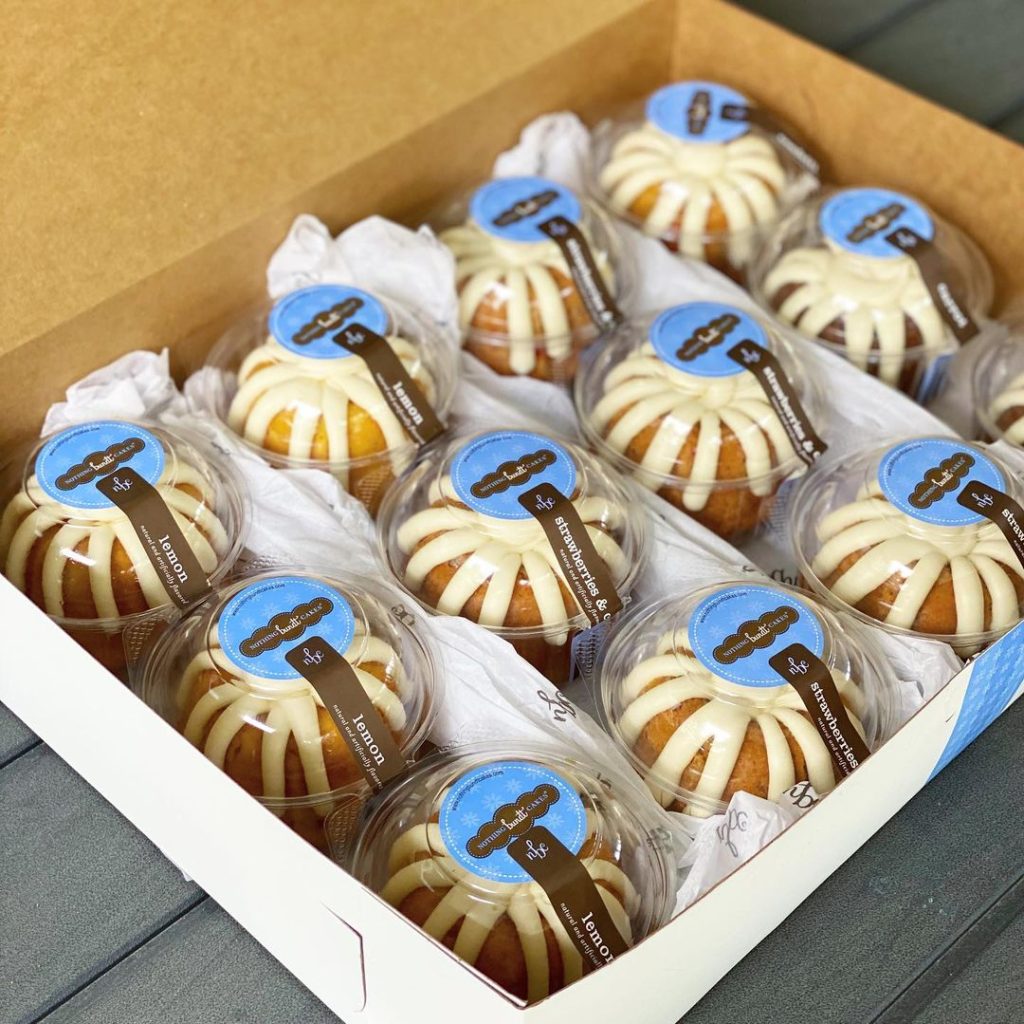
427 851
885 534
997 384
454 533
73 550
693 700
829 271
225 677
301 400
525 309
692 168
666 404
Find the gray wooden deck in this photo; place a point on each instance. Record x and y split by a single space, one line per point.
923 926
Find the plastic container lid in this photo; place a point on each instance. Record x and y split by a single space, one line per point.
666 403
226 678
67 543
885 533
998 387
695 170
692 698
300 399
427 848
830 270
524 307
454 533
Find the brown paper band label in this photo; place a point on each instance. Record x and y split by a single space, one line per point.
935 274
760 117
583 569
782 396
590 283
573 893
999 508
165 545
812 680
400 391
359 722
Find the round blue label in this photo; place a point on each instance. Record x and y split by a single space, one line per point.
493 806
859 219
514 208
71 462
923 479
305 322
734 632
696 337
699 111
269 618
493 470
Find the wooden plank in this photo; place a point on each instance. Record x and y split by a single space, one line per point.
839 24
203 967
849 951
964 54
15 736
81 887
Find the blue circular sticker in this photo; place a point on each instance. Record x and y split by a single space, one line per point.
490 472
495 805
305 322
514 208
71 462
697 336
859 219
699 111
734 632
269 618
923 478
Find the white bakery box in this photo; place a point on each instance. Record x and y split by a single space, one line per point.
338 938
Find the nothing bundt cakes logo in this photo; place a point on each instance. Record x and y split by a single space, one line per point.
874 223
327 320
525 208
756 635
285 627
706 337
512 820
514 473
101 463
698 113
941 480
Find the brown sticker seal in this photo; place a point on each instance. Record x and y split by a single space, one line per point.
590 283
403 395
934 272
782 396
813 681
154 524
998 508
583 569
361 726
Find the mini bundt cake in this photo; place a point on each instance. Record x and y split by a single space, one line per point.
520 308
699 749
1007 411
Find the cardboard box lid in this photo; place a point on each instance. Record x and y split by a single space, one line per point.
137 134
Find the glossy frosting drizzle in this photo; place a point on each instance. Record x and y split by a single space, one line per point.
517 276
88 537
475 905
319 392
280 709
1011 397
872 299
979 558
644 390
674 675
496 551
744 177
